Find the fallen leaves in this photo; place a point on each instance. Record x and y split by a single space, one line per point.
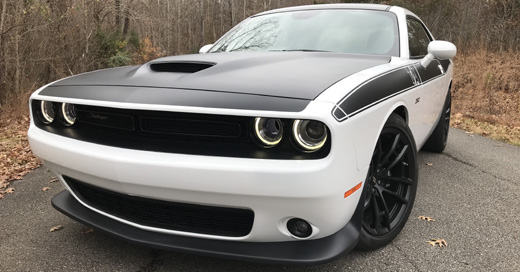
88 231
433 242
476 124
45 189
470 134
437 242
16 158
426 218
56 228
6 191
54 179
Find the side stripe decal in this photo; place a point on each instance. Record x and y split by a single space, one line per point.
387 85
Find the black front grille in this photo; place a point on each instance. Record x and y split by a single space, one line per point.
175 132
201 219
105 119
191 127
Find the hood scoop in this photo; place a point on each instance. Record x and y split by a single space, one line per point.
180 67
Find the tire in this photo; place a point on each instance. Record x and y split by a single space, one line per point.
439 138
390 186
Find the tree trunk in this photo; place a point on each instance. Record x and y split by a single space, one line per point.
202 23
2 18
126 24
232 13
168 20
17 21
244 16
3 70
178 28
118 14
221 20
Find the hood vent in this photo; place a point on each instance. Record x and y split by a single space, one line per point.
180 67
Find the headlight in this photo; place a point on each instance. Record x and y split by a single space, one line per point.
47 113
269 131
68 112
310 135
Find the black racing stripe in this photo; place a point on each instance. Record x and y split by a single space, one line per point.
376 90
338 113
178 97
430 72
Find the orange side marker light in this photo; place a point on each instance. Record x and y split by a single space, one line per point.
353 190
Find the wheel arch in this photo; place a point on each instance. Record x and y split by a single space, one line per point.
398 108
401 111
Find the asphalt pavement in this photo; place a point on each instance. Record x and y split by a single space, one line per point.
472 191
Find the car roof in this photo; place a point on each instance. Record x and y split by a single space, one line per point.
328 6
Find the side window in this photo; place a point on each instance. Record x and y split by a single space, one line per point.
418 39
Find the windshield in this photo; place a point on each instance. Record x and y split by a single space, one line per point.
342 30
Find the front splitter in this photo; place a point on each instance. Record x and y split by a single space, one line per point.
293 252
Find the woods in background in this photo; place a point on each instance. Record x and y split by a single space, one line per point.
43 40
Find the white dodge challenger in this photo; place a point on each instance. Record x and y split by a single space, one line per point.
292 139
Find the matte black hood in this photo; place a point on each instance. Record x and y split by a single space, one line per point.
300 75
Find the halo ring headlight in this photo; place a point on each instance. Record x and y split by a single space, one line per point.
47 112
269 131
68 112
310 135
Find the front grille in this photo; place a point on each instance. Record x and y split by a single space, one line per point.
175 132
191 127
232 222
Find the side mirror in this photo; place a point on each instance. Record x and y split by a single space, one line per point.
205 48
439 50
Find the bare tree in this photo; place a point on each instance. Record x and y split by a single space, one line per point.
41 41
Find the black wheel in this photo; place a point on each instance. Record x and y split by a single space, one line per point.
439 138
390 186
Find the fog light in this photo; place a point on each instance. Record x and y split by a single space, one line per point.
47 113
299 228
68 111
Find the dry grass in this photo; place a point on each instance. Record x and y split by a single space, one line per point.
486 95
486 87
497 132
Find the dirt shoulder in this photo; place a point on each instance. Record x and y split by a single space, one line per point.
510 135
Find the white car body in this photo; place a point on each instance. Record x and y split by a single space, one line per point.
275 190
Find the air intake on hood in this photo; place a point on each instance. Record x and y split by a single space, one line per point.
180 67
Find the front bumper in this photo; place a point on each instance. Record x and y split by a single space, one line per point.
275 190
293 252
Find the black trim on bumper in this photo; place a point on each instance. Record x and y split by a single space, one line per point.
297 252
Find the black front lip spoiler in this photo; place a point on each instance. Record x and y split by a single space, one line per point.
295 252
